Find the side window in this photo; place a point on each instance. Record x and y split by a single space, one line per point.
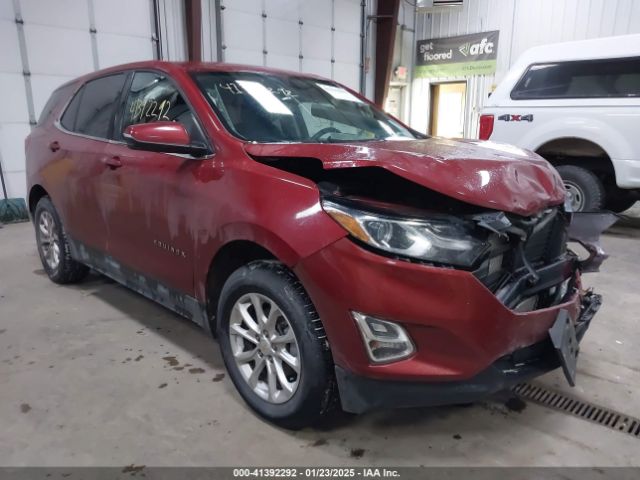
58 96
153 97
91 110
607 78
68 119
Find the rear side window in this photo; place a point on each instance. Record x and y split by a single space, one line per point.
608 78
92 108
57 97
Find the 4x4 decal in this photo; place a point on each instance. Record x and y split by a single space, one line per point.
516 118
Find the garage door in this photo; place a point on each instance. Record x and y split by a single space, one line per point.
320 36
54 42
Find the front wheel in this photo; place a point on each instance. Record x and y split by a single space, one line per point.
585 191
274 346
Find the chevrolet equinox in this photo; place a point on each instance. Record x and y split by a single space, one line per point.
339 257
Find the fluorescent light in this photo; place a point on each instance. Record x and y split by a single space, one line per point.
264 97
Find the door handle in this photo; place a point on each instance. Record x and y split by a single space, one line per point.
113 162
54 146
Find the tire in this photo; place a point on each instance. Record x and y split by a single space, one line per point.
619 202
313 396
53 246
585 187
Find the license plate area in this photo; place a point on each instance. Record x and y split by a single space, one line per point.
565 342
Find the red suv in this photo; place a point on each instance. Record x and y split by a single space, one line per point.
334 252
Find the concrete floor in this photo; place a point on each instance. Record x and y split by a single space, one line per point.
86 378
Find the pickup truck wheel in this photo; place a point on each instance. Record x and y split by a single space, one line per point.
274 347
585 190
53 246
619 202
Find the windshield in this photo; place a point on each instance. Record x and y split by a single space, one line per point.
274 108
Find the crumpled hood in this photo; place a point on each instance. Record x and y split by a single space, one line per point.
487 174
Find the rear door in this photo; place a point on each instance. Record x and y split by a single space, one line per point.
152 231
81 174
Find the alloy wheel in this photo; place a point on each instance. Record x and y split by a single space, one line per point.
265 348
49 242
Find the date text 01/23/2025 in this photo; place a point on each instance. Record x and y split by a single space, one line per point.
317 472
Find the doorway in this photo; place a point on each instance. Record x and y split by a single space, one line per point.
447 109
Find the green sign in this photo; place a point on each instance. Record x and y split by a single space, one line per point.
459 56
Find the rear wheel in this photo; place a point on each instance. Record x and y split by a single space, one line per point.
53 246
584 189
274 346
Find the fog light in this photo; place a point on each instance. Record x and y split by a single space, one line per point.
385 341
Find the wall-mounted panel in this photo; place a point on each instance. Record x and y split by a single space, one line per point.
58 51
320 36
316 42
6 11
116 49
317 67
284 9
242 31
347 16
16 183
59 47
14 106
10 59
12 150
283 37
66 14
124 17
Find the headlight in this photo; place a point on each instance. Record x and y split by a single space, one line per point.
440 239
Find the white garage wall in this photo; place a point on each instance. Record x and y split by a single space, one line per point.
312 36
522 25
64 39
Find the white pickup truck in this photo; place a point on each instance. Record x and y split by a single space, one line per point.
577 104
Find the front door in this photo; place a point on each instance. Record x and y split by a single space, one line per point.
151 233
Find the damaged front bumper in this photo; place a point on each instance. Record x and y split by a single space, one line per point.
470 340
359 394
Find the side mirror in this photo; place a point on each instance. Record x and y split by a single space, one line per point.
167 137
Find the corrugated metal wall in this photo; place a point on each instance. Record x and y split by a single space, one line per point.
319 36
522 25
45 44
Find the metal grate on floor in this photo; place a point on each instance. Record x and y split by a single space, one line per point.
579 408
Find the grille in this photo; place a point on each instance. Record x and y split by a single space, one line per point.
579 408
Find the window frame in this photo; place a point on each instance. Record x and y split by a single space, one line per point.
119 115
517 98
79 90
